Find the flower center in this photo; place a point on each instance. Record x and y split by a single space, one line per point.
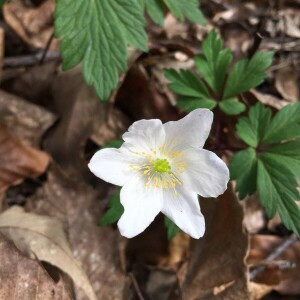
161 173
161 165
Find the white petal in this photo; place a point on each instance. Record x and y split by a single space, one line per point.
141 206
145 134
205 173
113 165
184 210
192 130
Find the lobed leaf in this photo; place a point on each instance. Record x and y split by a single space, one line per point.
247 74
97 33
285 125
185 83
251 129
232 106
243 169
155 10
277 189
273 168
190 103
186 9
115 210
172 228
214 61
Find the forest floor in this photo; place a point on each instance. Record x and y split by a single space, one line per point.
51 123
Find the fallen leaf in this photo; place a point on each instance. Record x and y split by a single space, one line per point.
33 24
18 161
97 248
216 267
286 276
269 99
139 98
34 84
255 217
44 237
286 83
25 278
80 112
26 120
289 22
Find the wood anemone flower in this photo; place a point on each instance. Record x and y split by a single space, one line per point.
162 168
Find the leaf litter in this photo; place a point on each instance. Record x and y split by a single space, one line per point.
61 116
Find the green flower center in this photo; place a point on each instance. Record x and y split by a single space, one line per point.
161 165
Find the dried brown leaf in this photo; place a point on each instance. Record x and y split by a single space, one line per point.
80 112
285 276
24 278
254 219
28 121
216 268
286 83
44 237
97 248
34 25
18 161
269 99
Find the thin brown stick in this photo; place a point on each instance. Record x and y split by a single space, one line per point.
47 48
276 253
136 287
28 60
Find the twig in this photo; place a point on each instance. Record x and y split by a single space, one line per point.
136 287
47 48
276 253
29 60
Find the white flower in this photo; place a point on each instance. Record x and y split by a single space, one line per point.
162 168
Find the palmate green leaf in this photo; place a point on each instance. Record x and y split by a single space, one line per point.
115 210
232 106
251 129
190 103
247 74
214 61
289 154
243 169
185 83
285 125
97 34
172 228
273 168
277 189
186 9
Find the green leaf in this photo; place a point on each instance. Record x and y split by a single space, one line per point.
98 33
192 103
172 228
185 83
115 210
114 144
275 167
289 154
186 9
243 169
251 129
155 10
232 106
247 74
214 62
277 190
285 125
